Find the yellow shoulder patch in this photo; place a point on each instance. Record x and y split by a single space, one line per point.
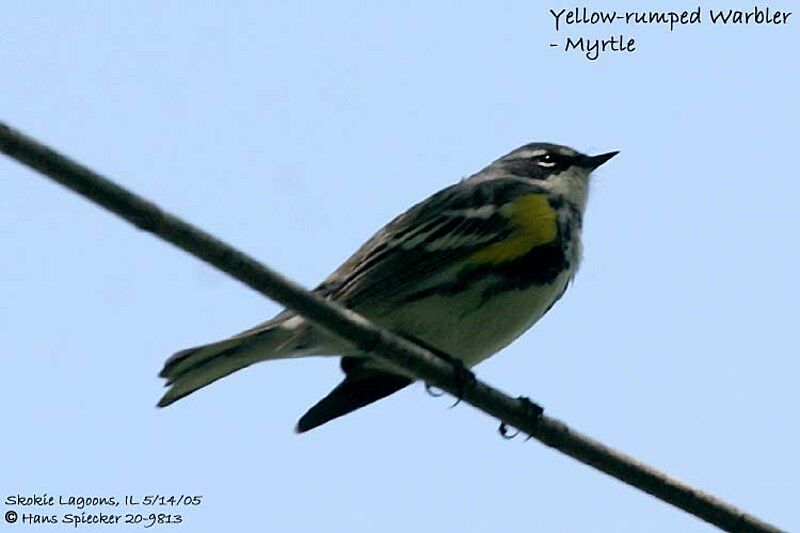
534 223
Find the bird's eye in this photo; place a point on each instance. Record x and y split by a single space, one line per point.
546 160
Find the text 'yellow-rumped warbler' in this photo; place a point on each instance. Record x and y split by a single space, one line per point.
463 273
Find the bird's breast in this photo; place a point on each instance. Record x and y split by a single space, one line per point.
471 312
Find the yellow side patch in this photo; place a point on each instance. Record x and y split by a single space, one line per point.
535 224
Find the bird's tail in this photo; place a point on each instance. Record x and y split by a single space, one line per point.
194 368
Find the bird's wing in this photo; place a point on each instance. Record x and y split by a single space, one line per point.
471 218
485 222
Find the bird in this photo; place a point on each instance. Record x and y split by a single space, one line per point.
463 273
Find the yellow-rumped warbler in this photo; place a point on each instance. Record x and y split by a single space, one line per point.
464 273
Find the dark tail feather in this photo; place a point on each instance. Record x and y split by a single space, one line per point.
357 390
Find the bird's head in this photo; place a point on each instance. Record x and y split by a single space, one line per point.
555 168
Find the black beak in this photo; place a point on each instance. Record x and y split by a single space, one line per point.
594 161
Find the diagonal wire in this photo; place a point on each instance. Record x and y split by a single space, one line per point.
371 339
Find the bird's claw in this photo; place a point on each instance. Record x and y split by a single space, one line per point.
465 379
433 391
504 431
532 411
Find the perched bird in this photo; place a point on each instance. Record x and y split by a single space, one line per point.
464 273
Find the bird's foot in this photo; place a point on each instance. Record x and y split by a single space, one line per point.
532 411
433 391
505 431
465 379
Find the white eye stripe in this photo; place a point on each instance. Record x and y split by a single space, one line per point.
535 153
547 164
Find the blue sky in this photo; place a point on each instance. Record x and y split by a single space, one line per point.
295 132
